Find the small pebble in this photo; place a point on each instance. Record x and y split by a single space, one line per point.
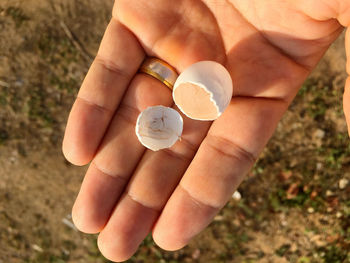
339 215
218 218
37 248
236 222
237 196
310 210
319 166
320 133
196 254
329 193
293 248
248 223
284 223
343 183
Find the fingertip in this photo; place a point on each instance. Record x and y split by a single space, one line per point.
128 226
84 221
72 149
169 234
96 200
86 126
166 241
181 220
73 155
116 249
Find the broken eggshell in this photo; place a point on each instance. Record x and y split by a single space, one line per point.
203 91
159 127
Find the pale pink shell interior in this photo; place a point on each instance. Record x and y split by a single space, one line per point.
195 101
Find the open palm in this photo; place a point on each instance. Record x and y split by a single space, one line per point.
269 47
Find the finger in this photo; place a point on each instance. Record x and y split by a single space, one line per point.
136 222
158 173
101 92
154 180
92 205
346 97
118 155
176 36
224 157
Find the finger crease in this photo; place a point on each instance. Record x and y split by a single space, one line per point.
229 149
119 177
128 113
189 145
157 210
110 66
190 150
176 155
200 204
96 106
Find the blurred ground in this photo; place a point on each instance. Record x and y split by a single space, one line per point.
295 204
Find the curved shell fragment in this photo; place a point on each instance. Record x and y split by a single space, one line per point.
203 91
159 127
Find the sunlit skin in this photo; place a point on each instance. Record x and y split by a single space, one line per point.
269 47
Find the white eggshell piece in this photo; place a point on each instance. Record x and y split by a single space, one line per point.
203 91
159 127
237 196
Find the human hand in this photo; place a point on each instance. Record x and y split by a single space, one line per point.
269 47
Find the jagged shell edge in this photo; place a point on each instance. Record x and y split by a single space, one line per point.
138 125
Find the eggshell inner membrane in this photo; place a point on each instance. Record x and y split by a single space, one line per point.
195 102
159 127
